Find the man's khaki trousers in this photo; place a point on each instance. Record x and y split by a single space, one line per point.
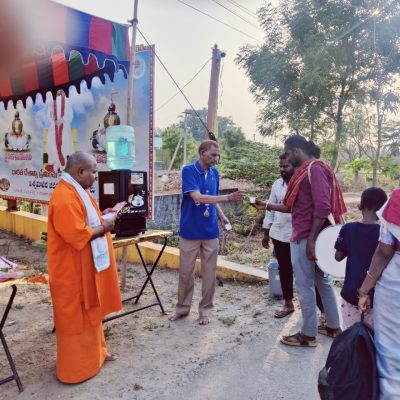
189 251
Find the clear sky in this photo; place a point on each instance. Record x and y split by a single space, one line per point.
184 38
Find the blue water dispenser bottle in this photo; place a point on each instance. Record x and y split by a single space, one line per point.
120 145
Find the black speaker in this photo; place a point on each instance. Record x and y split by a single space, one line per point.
130 186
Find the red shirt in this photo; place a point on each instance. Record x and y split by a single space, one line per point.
312 201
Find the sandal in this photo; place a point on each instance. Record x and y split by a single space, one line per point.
283 313
110 357
331 332
299 339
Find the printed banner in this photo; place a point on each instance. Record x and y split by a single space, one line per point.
37 140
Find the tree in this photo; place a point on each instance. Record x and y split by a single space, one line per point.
170 137
366 132
382 96
231 140
316 61
195 125
356 166
356 131
252 161
392 138
390 167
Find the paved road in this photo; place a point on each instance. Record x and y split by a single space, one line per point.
262 369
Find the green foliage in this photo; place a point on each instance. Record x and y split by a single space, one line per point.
358 165
328 151
320 57
391 137
170 137
196 127
389 167
28 206
357 172
242 217
255 162
228 320
232 139
163 156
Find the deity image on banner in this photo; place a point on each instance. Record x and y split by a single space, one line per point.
59 142
17 139
99 136
4 184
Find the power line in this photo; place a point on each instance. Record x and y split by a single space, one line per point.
183 87
236 14
173 80
243 8
221 22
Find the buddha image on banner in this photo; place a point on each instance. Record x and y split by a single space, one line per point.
16 139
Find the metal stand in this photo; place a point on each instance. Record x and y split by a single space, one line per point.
149 273
14 375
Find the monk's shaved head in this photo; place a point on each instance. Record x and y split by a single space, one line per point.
82 167
78 160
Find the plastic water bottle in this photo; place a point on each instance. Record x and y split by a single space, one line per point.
275 288
120 146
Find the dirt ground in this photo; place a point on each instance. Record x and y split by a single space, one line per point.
154 354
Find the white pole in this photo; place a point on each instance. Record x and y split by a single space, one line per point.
129 113
175 153
185 140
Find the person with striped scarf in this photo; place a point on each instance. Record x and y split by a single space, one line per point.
313 195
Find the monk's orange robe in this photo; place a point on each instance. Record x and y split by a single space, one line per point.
81 295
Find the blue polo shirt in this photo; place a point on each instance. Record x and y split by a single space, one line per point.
194 225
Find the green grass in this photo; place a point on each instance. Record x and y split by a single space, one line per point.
228 320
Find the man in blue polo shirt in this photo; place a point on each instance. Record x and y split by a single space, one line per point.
199 230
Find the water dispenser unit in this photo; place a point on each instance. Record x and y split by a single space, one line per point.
120 146
275 288
130 186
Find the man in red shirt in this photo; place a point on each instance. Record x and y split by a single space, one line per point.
312 196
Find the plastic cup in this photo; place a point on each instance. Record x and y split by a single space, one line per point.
228 227
252 200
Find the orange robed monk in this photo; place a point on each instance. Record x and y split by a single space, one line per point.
82 272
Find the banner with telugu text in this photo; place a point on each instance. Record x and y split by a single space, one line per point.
36 140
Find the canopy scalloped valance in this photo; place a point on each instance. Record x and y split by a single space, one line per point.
78 47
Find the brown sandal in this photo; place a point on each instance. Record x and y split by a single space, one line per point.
283 313
299 339
331 332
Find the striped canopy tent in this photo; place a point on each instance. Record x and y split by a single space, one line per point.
78 47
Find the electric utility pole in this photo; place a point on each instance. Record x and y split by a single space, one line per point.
212 118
